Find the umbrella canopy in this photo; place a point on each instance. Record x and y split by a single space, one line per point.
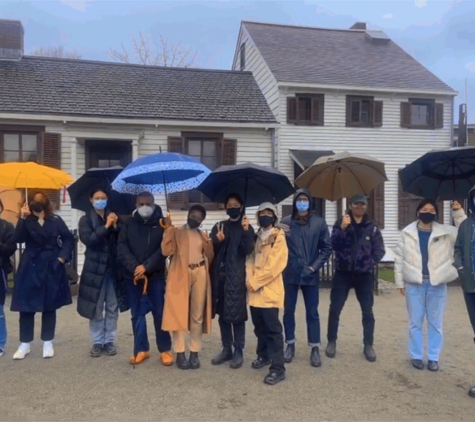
255 184
443 174
33 175
161 173
342 175
12 201
80 190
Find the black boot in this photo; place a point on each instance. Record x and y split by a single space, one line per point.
471 391
369 353
418 364
182 361
237 359
194 360
289 353
315 360
331 349
433 366
225 355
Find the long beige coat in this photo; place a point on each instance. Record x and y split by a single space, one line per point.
176 313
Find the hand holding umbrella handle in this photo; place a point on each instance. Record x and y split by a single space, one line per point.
145 282
25 210
166 222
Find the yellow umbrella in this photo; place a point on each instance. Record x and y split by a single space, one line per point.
33 175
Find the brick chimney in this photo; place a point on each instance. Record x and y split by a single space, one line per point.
359 25
11 40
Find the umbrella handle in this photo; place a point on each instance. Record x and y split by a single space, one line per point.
145 283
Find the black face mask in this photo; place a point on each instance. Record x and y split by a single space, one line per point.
233 212
266 221
193 223
37 206
427 217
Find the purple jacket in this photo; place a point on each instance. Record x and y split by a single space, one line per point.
356 250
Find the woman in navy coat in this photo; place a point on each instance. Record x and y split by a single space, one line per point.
41 283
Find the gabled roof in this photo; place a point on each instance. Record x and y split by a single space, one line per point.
352 57
39 85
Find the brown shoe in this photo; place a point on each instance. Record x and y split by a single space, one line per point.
141 356
167 358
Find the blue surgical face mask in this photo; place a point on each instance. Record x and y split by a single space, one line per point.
302 206
99 204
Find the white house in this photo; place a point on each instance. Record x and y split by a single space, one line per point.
78 114
355 90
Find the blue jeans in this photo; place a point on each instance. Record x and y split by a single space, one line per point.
425 300
103 327
3 328
156 298
310 297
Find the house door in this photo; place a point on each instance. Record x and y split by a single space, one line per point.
108 154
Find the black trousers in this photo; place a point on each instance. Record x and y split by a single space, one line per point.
270 339
470 302
27 326
233 334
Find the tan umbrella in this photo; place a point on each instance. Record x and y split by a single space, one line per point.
12 201
342 175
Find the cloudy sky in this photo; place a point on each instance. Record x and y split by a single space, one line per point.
438 33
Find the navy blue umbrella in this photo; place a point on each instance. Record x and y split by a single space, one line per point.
140 323
443 174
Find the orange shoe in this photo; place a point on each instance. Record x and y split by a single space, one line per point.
167 358
141 356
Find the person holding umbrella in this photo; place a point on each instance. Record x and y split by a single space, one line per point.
423 265
41 282
233 241
139 252
359 246
7 249
266 292
188 293
309 246
98 288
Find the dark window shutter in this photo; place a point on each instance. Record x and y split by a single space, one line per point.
377 113
405 114
317 110
378 206
348 107
176 200
229 152
291 110
439 116
286 210
52 158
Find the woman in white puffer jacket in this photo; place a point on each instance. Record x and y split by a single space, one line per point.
423 266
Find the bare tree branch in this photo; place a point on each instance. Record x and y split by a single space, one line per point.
154 52
56 51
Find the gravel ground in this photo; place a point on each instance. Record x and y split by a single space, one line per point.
73 386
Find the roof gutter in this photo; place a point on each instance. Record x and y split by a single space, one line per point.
366 89
133 121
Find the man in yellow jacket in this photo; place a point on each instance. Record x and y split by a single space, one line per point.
266 292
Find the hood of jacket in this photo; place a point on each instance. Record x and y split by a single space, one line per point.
267 206
154 219
307 193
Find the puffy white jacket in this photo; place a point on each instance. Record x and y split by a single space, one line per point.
408 257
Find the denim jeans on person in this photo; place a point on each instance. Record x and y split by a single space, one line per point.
342 283
310 297
156 298
425 301
3 328
103 327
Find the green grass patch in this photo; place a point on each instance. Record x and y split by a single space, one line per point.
386 274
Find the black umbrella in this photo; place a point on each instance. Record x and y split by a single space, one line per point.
255 184
80 190
140 323
443 174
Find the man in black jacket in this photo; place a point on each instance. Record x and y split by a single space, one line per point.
309 246
140 253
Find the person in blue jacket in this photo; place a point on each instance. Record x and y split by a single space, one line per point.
41 282
308 241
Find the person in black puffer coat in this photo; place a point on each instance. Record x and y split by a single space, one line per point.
99 295
233 241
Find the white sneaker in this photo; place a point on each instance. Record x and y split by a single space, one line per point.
48 351
22 351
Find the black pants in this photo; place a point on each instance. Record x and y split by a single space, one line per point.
27 326
232 334
470 302
342 284
270 340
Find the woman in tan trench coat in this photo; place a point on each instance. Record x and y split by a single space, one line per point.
188 288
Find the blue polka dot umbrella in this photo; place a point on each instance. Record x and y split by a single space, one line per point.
161 173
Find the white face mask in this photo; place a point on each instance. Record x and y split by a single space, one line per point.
146 211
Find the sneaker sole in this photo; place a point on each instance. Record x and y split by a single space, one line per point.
95 355
110 354
18 358
274 382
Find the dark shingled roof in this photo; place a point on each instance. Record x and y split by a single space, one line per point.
339 57
39 85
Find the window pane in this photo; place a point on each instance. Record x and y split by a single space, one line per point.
10 156
113 163
209 162
11 142
103 163
305 109
209 148
355 111
194 148
28 142
29 156
420 115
